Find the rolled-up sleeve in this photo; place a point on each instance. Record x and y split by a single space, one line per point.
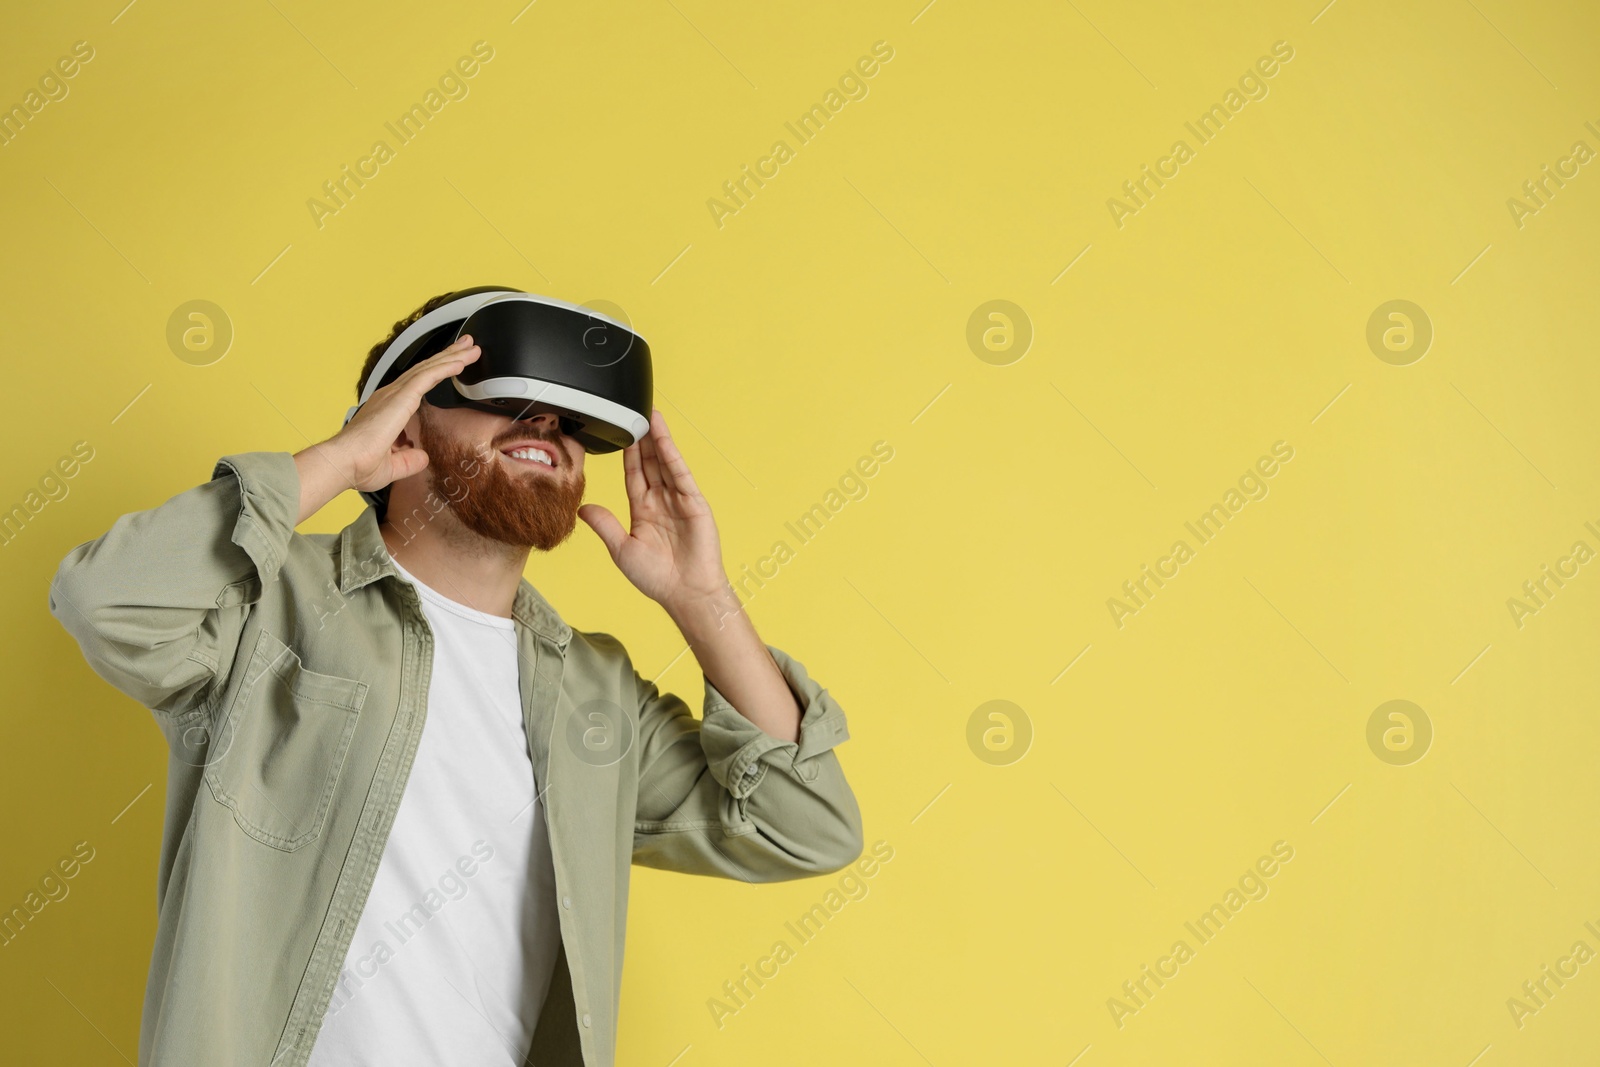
157 603
722 797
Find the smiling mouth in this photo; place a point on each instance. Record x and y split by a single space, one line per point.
530 461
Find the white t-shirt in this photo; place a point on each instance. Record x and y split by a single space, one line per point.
453 954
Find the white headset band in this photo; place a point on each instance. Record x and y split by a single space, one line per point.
559 396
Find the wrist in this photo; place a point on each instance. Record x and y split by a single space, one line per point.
704 609
323 476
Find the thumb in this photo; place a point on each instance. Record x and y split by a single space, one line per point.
406 462
605 526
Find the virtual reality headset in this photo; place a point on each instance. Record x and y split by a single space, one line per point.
538 355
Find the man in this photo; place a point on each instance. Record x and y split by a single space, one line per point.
403 795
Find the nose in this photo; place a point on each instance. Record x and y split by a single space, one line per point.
551 423
543 419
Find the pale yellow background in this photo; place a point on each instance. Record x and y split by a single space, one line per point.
827 315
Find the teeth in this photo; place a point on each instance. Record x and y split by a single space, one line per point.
535 454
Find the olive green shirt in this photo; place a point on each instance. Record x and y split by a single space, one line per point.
289 673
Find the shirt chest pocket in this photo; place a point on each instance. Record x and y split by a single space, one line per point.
286 735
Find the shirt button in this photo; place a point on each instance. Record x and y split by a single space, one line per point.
586 1018
566 902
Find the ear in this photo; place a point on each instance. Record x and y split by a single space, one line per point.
409 436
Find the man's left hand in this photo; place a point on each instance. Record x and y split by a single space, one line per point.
672 554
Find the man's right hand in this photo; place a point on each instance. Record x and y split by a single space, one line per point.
365 455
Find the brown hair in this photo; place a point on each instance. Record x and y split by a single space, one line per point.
377 350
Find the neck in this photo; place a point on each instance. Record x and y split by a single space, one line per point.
470 569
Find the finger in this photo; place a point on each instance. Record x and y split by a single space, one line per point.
460 344
396 402
674 465
648 458
660 440
605 526
633 476
431 371
406 462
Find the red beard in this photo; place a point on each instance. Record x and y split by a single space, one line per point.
526 509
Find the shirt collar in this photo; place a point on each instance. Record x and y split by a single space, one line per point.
364 558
